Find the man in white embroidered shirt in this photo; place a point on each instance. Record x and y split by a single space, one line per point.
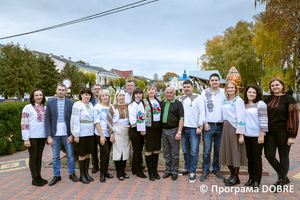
194 113
58 115
213 125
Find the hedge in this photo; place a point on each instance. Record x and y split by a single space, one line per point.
10 127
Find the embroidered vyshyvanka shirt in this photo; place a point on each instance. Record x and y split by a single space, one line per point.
100 116
283 114
82 121
61 127
117 114
137 115
33 122
194 110
213 105
256 119
234 112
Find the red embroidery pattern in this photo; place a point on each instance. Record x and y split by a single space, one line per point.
41 113
293 120
24 121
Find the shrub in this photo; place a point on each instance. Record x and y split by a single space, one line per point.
10 127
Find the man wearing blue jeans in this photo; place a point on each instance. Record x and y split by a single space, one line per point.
213 125
58 115
194 113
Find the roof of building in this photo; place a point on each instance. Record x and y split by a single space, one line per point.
62 59
124 74
183 78
206 74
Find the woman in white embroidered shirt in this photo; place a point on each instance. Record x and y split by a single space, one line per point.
153 132
82 128
256 127
118 127
102 135
137 118
232 148
34 134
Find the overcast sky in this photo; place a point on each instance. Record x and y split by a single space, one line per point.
167 35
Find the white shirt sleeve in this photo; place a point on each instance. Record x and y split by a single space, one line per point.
75 120
25 126
201 108
240 116
204 106
141 124
132 108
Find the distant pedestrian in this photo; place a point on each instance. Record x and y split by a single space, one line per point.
58 129
172 117
283 128
82 128
34 134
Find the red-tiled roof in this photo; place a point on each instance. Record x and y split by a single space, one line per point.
124 74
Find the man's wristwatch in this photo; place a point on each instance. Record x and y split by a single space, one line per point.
179 132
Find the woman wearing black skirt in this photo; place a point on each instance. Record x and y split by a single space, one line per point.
82 128
153 132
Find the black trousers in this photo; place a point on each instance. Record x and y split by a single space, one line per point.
104 153
95 159
137 141
278 140
254 152
35 155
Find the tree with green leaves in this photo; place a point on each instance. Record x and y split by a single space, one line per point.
117 83
72 72
235 48
141 84
49 75
19 71
88 78
283 17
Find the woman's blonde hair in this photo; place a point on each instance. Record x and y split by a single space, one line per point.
235 86
117 93
104 92
148 87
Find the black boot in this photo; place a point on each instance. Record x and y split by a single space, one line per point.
234 181
87 164
119 171
83 177
231 174
43 181
148 159
154 165
37 182
123 166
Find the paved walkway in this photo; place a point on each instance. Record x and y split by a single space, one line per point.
15 183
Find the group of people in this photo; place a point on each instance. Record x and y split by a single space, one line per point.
238 130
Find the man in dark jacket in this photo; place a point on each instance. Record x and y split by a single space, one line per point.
58 115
